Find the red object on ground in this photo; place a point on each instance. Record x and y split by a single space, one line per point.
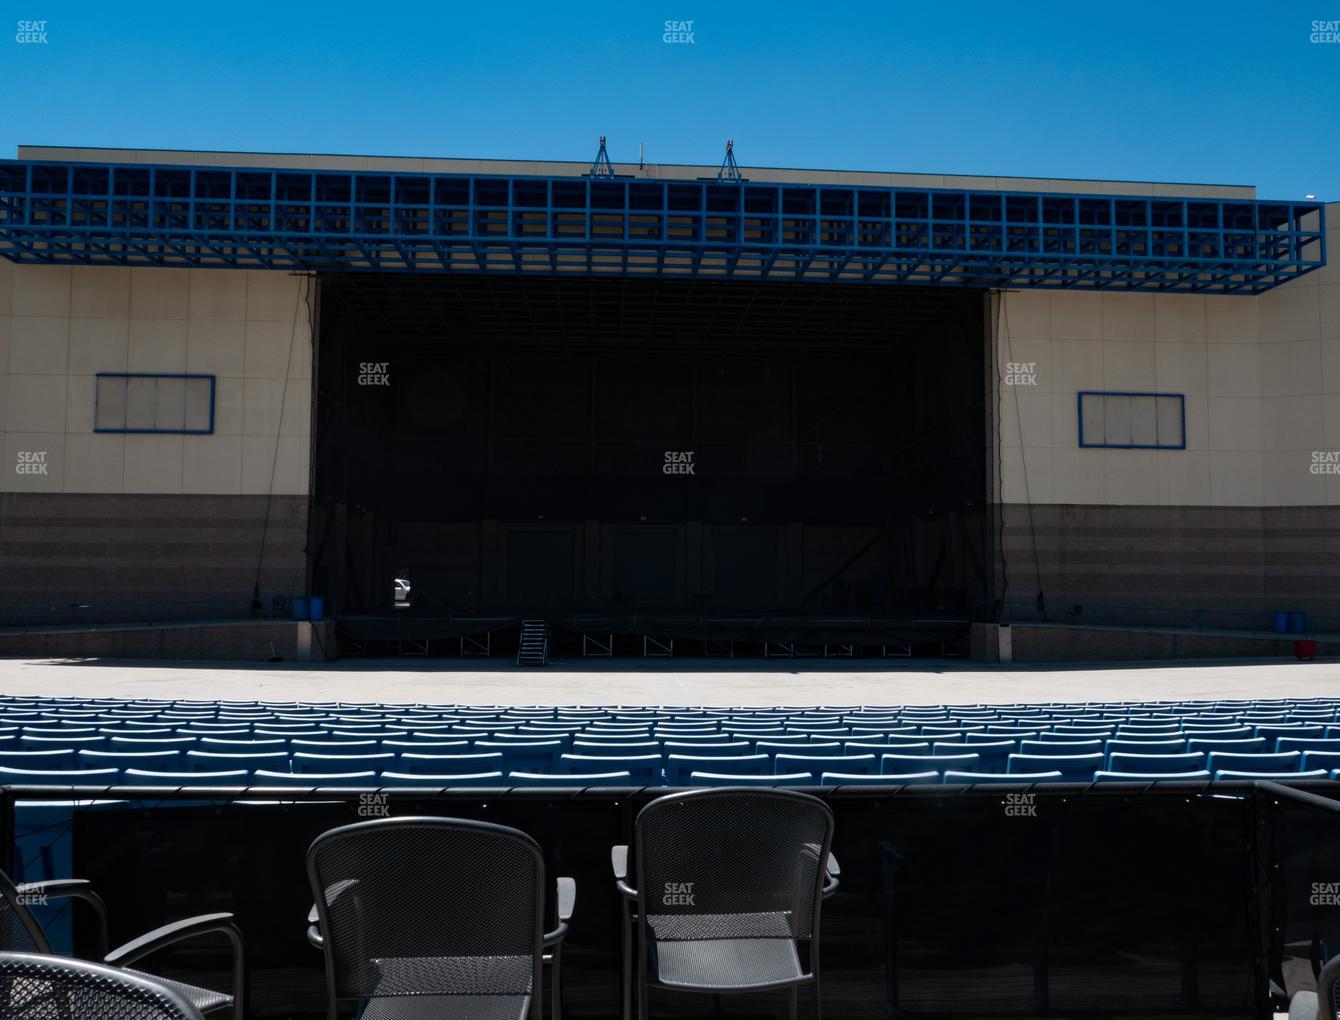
1305 649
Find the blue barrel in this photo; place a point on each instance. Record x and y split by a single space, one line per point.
1281 623
298 607
1298 623
318 604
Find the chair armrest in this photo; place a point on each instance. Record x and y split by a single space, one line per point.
314 936
619 861
173 933
69 888
565 898
832 875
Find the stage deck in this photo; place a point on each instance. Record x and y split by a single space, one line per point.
644 682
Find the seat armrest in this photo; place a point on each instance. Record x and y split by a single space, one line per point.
173 933
566 889
36 893
314 935
619 861
565 899
832 875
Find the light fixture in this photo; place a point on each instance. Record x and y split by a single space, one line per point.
1310 197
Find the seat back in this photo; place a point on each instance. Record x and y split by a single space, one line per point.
19 930
414 906
731 863
52 986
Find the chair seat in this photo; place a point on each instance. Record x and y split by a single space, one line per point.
204 999
452 976
446 1007
727 964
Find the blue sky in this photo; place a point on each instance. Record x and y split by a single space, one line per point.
1226 93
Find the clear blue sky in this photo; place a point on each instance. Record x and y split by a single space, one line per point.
1226 93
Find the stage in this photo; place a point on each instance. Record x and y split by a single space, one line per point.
670 682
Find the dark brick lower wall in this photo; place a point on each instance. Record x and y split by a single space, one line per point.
1209 557
109 548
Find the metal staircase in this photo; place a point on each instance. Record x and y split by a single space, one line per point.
534 647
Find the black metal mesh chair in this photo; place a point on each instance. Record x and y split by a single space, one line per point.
21 932
434 918
726 885
34 987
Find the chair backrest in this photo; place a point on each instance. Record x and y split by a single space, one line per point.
731 863
393 893
19 930
52 986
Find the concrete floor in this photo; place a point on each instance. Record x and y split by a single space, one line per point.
681 682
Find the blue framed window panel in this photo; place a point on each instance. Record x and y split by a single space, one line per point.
154 402
1132 421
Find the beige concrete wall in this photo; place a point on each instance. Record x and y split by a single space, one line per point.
60 325
653 171
1261 377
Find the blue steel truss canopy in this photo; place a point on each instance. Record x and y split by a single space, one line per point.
142 215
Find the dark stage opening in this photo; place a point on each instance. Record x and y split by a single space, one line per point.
551 446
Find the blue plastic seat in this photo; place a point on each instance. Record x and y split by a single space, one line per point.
215 761
450 764
1073 767
307 762
712 749
875 779
418 781
1161 746
1004 777
1307 743
154 777
992 757
571 779
894 763
531 756
1286 761
645 769
56 758
1150 777
860 764
234 745
679 767
169 761
1313 760
1240 745
59 777
1050 748
615 748
1186 761
1235 775
721 779
267 777
180 744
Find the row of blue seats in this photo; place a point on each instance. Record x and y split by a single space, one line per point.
654 768
261 778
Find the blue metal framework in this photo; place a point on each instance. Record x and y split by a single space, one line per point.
132 214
